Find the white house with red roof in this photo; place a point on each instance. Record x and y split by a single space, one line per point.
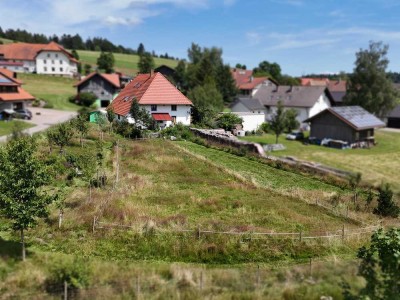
247 84
158 96
12 95
51 59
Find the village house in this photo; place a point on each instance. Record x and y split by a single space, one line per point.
351 124
166 104
251 110
105 86
306 100
12 95
165 70
247 84
50 59
337 88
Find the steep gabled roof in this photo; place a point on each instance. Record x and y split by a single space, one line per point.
27 51
245 81
111 78
6 79
355 116
148 89
248 102
291 96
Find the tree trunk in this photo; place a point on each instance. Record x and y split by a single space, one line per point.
90 192
277 136
23 245
81 140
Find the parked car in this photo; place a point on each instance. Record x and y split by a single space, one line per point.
295 135
23 114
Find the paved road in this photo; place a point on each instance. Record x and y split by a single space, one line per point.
44 118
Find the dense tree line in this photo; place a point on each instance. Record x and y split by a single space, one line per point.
69 41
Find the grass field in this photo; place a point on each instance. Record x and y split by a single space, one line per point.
125 63
380 163
6 41
7 127
54 90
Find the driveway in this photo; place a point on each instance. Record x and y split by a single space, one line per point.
44 118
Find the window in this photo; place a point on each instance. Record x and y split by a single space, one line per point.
45 69
173 107
61 70
52 61
45 61
48 54
53 69
56 55
61 62
153 107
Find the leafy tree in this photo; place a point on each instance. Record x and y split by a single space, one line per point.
62 135
106 62
265 68
180 75
369 85
146 63
207 102
81 125
386 206
87 99
228 121
194 53
110 117
240 66
380 265
75 54
264 127
87 68
141 116
140 50
291 120
278 121
226 84
22 179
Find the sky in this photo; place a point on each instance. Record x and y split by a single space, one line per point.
302 36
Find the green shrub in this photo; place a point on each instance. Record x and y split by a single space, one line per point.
87 99
36 103
386 206
48 105
179 131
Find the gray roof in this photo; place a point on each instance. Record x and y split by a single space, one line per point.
250 103
290 96
395 113
355 116
338 96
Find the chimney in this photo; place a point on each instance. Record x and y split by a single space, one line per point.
151 73
251 78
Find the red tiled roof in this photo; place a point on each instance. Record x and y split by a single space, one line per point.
111 78
245 81
20 95
337 86
161 117
314 81
148 89
27 51
252 83
10 63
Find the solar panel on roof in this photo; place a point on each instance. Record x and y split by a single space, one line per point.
4 80
358 116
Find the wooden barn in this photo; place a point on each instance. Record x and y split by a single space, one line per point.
352 124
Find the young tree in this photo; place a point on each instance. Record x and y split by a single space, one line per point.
386 206
226 84
141 116
369 85
110 118
354 181
291 122
146 63
380 265
278 121
81 125
22 178
106 62
62 135
228 121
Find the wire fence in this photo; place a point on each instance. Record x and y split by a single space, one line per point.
342 233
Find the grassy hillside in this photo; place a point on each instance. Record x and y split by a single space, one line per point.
126 63
54 90
380 163
166 188
6 41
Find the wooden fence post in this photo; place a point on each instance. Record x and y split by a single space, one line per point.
343 233
300 236
198 232
137 287
258 277
94 224
65 290
310 266
201 280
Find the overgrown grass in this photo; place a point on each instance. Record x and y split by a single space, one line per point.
54 90
380 163
126 63
6 127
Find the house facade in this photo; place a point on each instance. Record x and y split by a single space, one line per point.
12 95
306 100
247 84
49 59
165 103
105 86
351 124
251 110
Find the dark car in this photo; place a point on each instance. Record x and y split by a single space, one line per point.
295 135
23 114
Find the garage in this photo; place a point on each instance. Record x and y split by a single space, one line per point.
393 119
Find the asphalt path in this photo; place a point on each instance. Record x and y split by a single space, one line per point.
44 118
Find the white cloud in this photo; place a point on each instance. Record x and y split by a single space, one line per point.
289 2
254 38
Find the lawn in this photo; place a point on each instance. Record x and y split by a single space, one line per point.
125 63
6 127
54 90
380 163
